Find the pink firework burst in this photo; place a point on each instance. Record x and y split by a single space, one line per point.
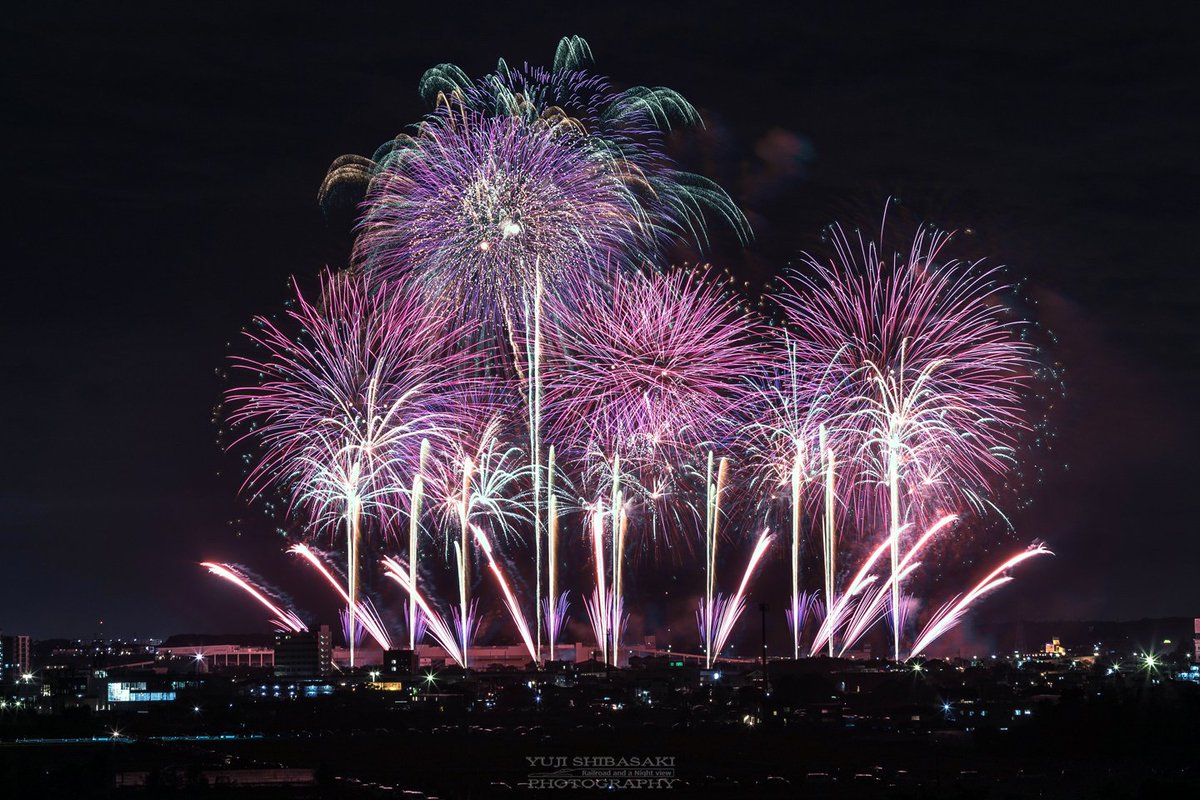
342 402
650 362
477 208
341 395
930 365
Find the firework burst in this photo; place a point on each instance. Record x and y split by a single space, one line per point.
342 402
652 362
524 171
934 367
475 208
510 357
628 126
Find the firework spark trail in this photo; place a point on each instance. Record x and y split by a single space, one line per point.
712 521
462 556
797 413
414 527
834 617
535 449
285 620
829 530
598 605
359 631
555 610
617 536
719 616
708 630
871 606
907 604
949 615
422 624
514 609
366 615
555 614
438 628
798 602
467 625
726 626
707 615
464 616
870 610
805 606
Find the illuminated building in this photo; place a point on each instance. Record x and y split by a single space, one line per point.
217 657
122 691
399 662
14 656
304 655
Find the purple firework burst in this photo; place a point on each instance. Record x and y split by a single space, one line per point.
342 395
477 209
650 362
629 124
928 365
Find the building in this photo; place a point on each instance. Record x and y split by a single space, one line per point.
14 657
304 655
222 657
400 662
1196 641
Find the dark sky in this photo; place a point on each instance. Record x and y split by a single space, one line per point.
163 164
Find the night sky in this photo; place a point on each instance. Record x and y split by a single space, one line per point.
162 167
